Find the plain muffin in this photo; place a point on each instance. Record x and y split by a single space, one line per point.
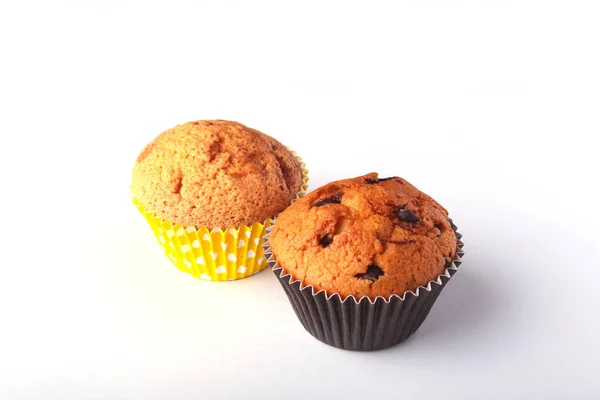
364 237
215 174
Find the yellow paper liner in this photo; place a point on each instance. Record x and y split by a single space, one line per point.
218 254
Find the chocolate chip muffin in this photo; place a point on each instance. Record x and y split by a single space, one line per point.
215 174
364 236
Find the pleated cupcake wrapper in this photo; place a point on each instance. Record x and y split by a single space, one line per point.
218 254
362 324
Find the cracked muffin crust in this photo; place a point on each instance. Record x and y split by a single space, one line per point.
364 237
215 174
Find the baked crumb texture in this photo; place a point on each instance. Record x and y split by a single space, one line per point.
209 189
364 237
215 174
362 261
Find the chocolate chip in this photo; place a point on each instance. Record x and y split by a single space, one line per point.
407 216
325 240
373 273
374 181
335 199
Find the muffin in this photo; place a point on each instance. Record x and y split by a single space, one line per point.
362 260
209 189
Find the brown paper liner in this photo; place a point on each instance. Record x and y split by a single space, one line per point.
362 324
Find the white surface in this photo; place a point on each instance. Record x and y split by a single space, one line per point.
490 107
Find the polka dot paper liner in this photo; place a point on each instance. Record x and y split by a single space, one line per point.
219 254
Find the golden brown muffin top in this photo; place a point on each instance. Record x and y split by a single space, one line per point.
364 237
215 174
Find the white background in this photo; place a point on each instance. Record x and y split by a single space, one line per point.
492 107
